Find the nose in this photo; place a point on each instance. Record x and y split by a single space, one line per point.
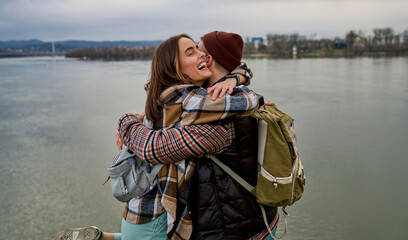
202 54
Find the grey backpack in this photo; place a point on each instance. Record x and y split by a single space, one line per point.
130 176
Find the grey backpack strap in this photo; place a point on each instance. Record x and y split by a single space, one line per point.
267 225
156 170
231 172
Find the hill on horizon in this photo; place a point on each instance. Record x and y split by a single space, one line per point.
35 45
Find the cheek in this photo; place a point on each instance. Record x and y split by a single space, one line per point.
187 66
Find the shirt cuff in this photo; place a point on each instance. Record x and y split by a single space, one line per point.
126 120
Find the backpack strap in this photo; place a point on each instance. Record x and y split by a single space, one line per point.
267 225
156 170
231 172
248 187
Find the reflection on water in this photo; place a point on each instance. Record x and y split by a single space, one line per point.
58 118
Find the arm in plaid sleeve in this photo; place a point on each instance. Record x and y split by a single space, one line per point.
196 99
192 105
244 71
175 144
242 101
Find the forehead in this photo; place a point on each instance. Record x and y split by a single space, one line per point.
185 43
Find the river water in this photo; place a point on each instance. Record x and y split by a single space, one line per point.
58 118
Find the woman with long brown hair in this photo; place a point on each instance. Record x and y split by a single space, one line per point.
166 71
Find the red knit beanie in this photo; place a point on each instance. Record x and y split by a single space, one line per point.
225 48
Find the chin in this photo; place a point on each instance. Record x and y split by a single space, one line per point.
207 74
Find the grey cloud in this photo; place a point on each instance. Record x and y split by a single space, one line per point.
158 19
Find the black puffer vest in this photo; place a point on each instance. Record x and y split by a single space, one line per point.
221 208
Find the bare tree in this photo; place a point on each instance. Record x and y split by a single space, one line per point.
388 36
405 38
378 37
350 37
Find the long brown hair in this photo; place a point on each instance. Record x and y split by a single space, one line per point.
165 72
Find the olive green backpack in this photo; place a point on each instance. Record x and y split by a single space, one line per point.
281 178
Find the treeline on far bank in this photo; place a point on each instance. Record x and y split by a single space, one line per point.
382 42
112 53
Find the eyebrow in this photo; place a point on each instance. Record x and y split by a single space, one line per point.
189 48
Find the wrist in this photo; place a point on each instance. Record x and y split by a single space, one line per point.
234 75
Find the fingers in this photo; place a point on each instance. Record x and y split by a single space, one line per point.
210 89
269 103
119 142
216 93
140 117
222 94
220 89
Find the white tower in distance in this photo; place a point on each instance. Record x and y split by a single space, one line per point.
53 48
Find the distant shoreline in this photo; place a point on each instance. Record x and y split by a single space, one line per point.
384 42
310 54
24 54
322 54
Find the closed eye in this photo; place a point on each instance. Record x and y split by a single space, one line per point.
189 51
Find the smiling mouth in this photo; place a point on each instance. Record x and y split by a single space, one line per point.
202 66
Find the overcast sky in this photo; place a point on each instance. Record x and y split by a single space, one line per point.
158 19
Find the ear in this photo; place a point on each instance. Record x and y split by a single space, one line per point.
210 61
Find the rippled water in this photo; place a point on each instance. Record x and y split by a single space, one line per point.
58 117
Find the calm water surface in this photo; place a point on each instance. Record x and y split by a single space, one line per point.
58 117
